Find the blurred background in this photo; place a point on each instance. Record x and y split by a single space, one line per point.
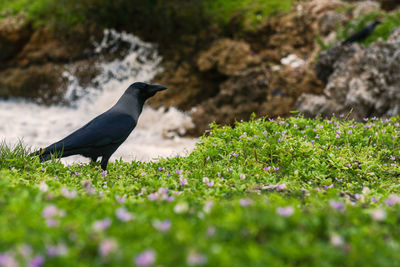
62 62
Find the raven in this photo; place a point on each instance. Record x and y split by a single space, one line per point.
104 134
362 34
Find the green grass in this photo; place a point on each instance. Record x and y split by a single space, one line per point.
294 192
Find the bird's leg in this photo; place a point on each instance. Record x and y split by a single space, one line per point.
93 159
104 161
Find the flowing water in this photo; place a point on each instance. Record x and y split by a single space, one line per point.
155 135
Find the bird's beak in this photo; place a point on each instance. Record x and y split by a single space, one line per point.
156 88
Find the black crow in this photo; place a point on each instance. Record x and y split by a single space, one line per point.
104 134
362 34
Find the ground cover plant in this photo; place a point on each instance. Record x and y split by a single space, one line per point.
293 192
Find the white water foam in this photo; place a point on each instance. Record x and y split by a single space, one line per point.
155 135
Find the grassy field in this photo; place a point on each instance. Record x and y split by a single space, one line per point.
295 192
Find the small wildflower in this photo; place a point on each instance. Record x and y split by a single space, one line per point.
145 258
280 187
143 174
350 132
106 247
179 172
328 186
275 168
229 170
68 194
393 158
120 200
43 187
244 202
317 136
153 196
104 173
329 121
336 240
208 206
337 205
57 250
210 183
365 119
285 211
7 260
101 225
37 261
123 215
242 176
182 181
77 173
368 126
378 214
195 258
392 200
235 155
162 226
181 207
267 168
337 136
206 180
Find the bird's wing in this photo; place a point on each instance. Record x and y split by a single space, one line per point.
106 129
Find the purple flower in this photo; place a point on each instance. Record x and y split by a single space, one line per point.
267 168
163 190
374 200
68 194
182 181
280 186
146 258
50 211
244 202
211 183
275 168
58 250
242 176
162 226
350 132
235 155
317 136
285 211
120 200
365 119
392 200
143 174
229 170
76 173
329 121
393 158
206 180
328 186
7 260
179 172
337 136
123 215
396 125
106 247
37 261
104 173
101 225
337 205
367 126
153 196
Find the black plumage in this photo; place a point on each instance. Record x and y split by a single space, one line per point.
362 34
102 136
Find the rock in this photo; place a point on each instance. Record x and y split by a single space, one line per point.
238 98
389 5
43 83
365 80
365 7
15 31
228 57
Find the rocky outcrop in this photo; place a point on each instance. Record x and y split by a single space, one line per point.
365 80
32 61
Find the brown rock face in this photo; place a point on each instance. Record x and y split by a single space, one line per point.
239 96
14 33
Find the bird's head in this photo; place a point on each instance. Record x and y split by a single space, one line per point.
144 90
